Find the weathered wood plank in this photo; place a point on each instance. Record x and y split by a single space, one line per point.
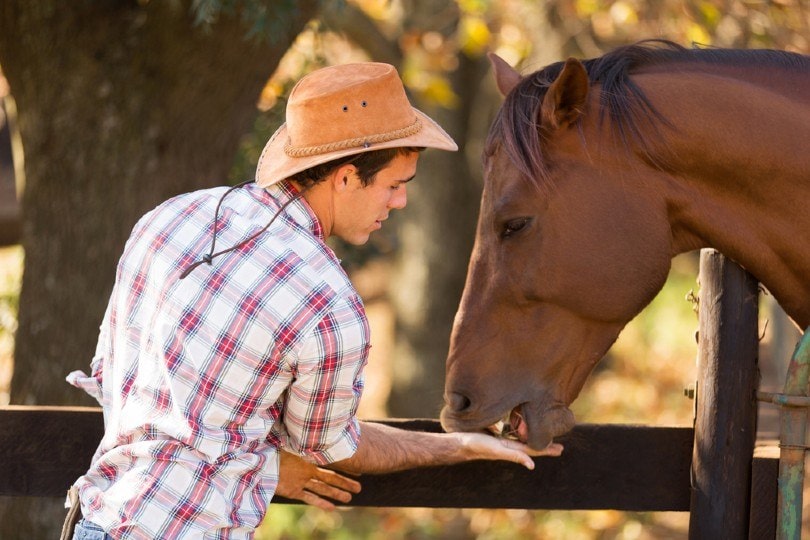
604 466
726 408
44 449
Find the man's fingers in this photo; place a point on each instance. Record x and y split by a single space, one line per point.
553 449
338 480
522 454
517 454
325 490
313 500
306 482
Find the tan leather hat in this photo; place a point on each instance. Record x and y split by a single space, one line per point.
343 110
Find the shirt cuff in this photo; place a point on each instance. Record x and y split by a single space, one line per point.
343 448
91 385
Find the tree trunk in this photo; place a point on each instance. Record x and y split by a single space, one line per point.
121 105
436 235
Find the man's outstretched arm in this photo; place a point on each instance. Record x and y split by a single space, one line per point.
384 449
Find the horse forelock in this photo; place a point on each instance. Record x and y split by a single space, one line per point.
516 127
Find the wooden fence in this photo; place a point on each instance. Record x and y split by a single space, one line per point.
708 470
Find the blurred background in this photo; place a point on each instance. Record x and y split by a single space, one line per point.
109 108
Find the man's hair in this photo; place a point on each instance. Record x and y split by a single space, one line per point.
368 164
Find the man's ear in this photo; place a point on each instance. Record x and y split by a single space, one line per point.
342 177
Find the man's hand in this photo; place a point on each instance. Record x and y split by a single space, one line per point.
385 449
303 481
483 446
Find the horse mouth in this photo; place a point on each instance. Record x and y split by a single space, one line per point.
532 424
511 426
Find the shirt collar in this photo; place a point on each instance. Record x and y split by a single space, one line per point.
299 211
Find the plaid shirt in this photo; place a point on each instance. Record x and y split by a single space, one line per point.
203 379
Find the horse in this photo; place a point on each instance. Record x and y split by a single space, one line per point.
596 174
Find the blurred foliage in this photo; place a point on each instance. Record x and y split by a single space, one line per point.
260 17
594 26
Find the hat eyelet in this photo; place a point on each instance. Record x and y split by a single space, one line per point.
363 103
345 108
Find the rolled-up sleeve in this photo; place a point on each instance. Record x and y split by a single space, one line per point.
320 413
92 384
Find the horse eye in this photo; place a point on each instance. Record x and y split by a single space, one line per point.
514 225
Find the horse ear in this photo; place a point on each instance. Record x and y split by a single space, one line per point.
565 99
505 76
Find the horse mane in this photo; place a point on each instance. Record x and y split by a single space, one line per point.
516 125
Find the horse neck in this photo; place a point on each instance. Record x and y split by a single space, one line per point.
737 174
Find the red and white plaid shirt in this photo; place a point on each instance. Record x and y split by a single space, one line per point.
203 379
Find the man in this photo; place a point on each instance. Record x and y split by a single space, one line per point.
209 364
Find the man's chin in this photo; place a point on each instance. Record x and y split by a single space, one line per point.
355 240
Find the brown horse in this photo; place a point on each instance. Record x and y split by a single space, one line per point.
597 173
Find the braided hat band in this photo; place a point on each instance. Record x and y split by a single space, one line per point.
356 142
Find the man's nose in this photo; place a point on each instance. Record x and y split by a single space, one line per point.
399 199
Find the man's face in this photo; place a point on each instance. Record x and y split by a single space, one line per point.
360 210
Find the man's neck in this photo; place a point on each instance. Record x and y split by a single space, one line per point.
320 200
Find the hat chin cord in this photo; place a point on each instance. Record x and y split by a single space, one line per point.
209 257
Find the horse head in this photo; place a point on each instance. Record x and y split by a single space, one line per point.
570 245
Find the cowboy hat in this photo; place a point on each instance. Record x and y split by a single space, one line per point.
343 110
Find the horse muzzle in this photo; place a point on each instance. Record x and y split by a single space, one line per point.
543 424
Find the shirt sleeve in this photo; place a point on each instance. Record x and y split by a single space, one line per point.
92 384
320 414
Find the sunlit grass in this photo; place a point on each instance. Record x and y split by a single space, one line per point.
296 522
11 261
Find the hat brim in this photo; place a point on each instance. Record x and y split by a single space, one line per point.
275 165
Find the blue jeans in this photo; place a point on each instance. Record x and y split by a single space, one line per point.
87 530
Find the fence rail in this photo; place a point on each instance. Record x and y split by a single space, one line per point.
44 449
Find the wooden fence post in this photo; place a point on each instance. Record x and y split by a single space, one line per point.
725 420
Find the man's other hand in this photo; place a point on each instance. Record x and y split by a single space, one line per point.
303 481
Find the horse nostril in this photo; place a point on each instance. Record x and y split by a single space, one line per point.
459 402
